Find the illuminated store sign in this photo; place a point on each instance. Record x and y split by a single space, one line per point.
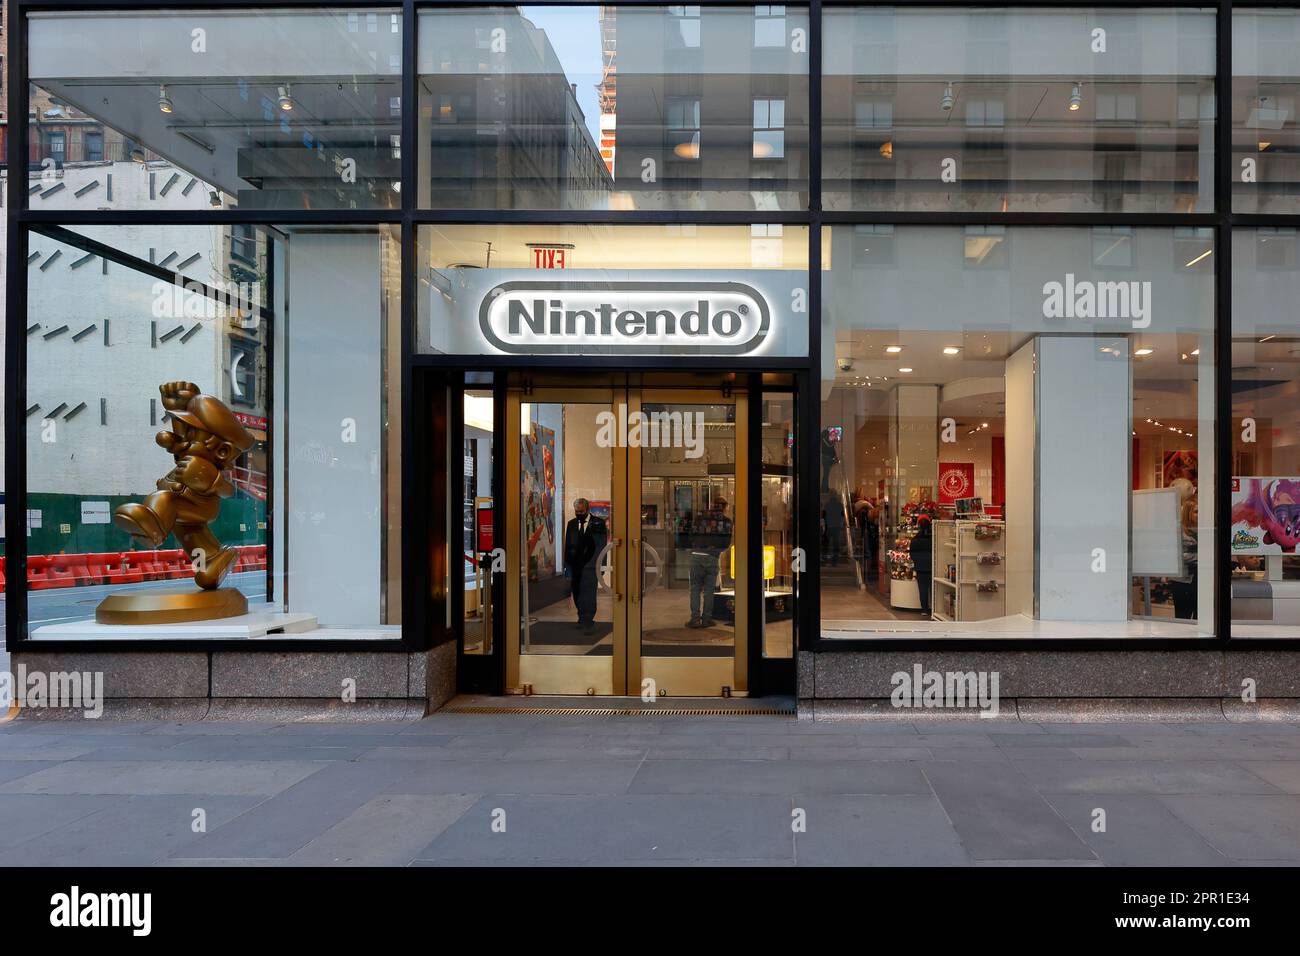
676 318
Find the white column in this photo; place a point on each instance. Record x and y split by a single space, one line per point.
1084 414
333 342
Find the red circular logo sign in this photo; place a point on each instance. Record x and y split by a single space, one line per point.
954 483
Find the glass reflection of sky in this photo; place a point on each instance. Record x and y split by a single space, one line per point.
574 33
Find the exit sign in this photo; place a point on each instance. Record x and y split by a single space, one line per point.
550 257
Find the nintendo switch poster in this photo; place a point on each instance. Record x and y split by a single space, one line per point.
537 464
1265 515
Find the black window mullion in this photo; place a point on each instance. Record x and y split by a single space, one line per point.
15 336
1223 179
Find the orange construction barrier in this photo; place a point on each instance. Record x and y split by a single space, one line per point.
98 565
38 573
121 567
173 563
60 571
120 571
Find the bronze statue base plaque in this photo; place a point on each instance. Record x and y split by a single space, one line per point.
171 607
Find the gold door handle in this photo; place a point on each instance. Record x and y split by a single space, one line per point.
618 593
640 570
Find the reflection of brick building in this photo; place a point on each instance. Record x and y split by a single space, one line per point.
64 134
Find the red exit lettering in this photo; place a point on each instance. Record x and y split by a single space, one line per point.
549 259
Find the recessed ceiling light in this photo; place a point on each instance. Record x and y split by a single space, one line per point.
1143 351
905 370
951 350
893 349
1196 351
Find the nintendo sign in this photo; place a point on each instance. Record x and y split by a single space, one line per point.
677 318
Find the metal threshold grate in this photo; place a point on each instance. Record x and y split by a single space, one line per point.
625 711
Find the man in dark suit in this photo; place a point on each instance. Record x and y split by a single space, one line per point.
584 539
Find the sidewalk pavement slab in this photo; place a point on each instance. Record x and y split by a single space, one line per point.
647 791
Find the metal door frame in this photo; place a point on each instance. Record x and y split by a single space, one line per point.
623 672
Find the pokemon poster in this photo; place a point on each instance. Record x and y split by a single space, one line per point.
1265 515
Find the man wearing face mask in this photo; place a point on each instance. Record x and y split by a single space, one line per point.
584 539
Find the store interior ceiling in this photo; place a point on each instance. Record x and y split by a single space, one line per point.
970 368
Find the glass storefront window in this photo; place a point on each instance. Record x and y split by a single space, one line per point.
614 107
1265 92
1024 110
478 532
265 109
779 507
286 476
1265 418
1014 438
723 291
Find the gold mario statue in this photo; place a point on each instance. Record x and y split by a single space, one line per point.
205 440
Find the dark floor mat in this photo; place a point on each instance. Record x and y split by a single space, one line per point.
551 633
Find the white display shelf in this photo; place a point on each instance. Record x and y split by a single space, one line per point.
969 603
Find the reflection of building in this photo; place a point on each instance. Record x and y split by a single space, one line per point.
60 133
608 86
914 104
107 326
690 100
710 100
328 140
502 138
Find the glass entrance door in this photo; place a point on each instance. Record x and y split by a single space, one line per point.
566 533
626 560
687 612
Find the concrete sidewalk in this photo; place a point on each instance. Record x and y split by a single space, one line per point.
647 790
